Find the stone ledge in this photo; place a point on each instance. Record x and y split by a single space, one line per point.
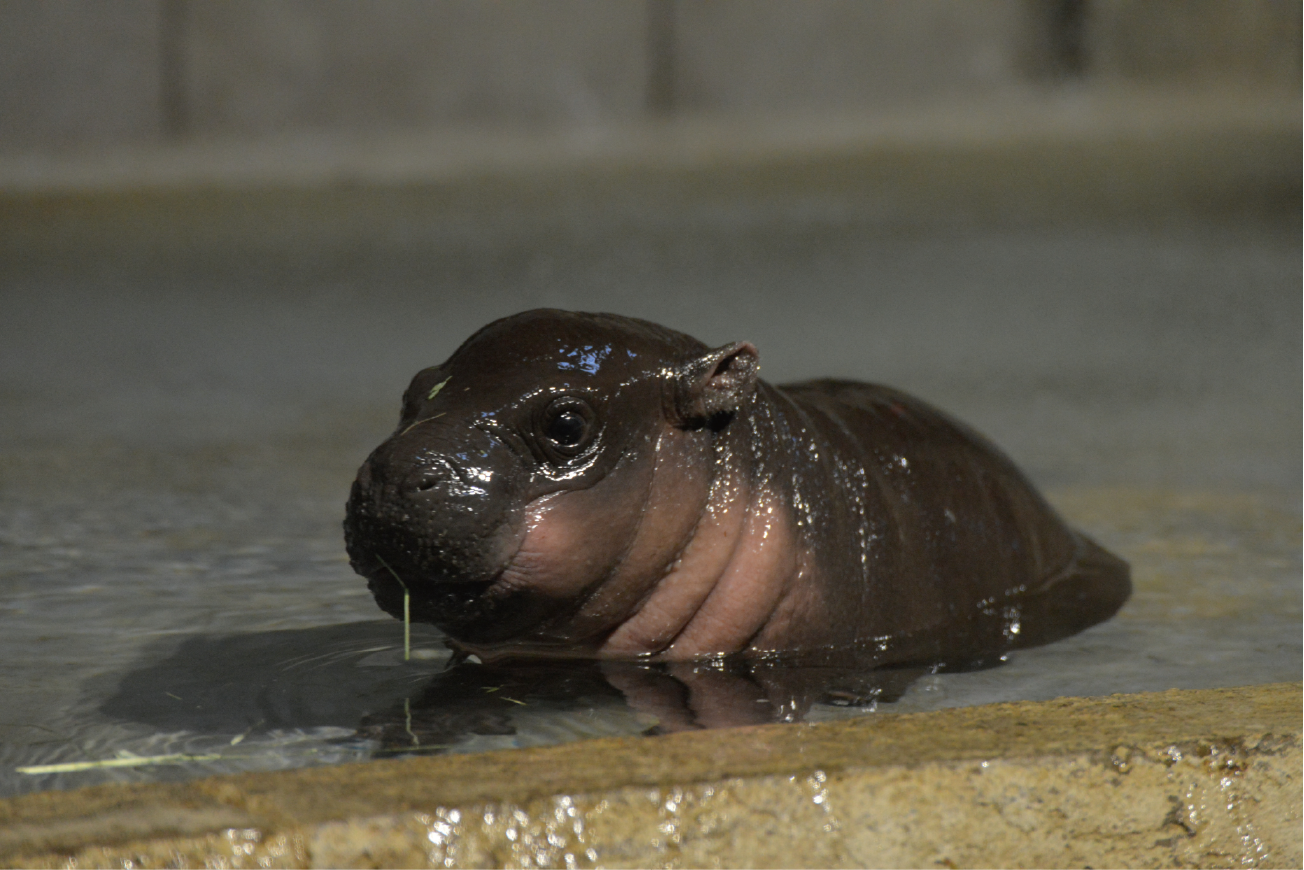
1178 778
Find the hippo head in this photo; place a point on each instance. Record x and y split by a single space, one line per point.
542 479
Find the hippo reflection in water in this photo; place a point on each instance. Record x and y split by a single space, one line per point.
592 486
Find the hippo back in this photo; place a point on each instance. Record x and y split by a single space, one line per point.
941 536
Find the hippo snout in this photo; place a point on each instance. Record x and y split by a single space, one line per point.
435 509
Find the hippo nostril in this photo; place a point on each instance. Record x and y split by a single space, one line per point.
423 480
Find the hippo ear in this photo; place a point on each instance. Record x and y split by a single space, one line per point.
715 384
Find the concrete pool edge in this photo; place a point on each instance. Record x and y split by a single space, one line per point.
1184 777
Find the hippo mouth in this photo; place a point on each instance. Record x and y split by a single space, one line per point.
436 602
456 588
474 611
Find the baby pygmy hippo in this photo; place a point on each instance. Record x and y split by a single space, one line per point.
591 485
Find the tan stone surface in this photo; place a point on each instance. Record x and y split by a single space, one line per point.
1180 778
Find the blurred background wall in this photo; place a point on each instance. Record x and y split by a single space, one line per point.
76 74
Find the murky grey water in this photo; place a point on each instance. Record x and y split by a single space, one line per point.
177 436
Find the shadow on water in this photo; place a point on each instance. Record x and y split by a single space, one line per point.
292 678
353 676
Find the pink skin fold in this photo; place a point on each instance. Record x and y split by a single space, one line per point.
708 562
688 582
699 570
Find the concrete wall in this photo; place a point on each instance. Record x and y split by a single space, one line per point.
1252 41
761 56
77 71
254 66
80 72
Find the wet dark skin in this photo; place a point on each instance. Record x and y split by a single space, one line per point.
588 485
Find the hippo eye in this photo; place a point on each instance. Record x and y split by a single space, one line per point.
566 429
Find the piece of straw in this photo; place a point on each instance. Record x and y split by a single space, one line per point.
407 609
434 391
407 723
132 761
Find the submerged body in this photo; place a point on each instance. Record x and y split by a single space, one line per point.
577 484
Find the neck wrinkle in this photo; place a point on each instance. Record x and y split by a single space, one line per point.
754 579
690 576
668 565
594 588
748 509
748 587
677 555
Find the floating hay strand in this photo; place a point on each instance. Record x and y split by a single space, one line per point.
407 721
239 738
128 761
407 606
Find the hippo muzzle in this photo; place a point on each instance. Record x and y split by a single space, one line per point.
434 511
